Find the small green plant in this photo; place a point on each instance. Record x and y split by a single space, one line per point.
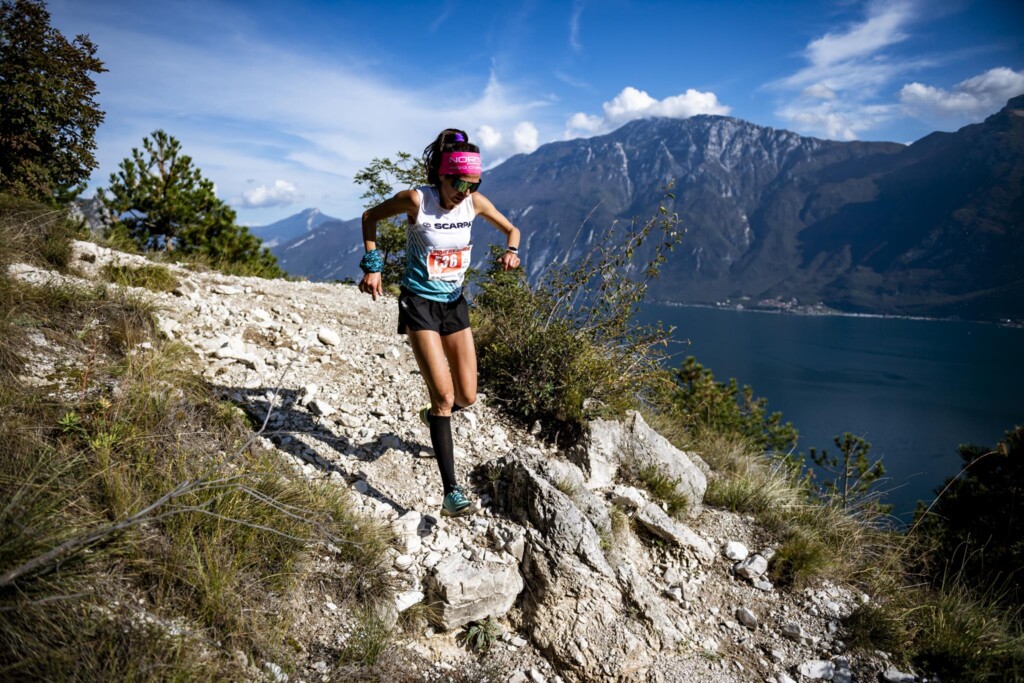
874 626
368 640
616 534
568 486
71 423
480 635
153 277
854 474
659 484
800 558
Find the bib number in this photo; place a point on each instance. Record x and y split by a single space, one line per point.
447 264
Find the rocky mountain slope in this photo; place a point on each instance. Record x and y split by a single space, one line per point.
933 228
589 579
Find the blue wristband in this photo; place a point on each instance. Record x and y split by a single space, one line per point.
372 262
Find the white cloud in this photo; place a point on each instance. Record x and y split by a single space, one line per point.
883 27
281 193
488 138
968 100
836 121
584 124
836 95
498 145
244 107
820 91
632 104
525 137
850 60
574 26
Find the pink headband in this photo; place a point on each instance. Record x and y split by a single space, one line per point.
460 163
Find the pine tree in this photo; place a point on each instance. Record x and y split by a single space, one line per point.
162 201
48 114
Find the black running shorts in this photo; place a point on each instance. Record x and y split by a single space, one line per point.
417 313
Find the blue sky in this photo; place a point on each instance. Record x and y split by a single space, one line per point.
281 103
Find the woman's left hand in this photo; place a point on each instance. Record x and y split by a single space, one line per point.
509 261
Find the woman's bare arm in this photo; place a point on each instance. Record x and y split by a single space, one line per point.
485 208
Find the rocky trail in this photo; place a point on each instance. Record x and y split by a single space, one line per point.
589 579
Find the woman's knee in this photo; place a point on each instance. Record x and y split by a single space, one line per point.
466 399
444 402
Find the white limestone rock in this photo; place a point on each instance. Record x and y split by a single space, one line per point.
628 497
817 669
328 337
747 618
894 675
321 408
609 443
736 551
274 673
308 394
655 520
752 567
407 599
463 591
406 532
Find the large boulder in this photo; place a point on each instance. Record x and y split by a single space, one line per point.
591 621
460 591
611 444
565 475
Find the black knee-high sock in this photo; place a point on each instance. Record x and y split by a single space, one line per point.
444 449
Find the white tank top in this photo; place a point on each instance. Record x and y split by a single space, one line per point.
437 250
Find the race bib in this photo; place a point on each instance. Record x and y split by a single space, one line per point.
448 264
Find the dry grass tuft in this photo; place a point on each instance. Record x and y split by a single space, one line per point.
144 533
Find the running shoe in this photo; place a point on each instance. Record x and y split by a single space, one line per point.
425 414
456 504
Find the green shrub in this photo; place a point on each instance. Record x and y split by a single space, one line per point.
34 233
695 403
950 630
567 348
965 636
854 474
974 524
875 626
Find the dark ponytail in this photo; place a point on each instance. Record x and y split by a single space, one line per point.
449 140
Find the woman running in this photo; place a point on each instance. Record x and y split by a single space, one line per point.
431 308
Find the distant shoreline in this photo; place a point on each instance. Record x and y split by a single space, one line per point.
821 310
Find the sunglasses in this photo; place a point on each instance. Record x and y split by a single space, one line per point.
463 186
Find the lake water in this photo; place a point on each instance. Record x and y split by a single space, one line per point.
915 389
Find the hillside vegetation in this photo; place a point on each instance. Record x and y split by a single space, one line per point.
152 533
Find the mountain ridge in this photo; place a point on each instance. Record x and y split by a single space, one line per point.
927 229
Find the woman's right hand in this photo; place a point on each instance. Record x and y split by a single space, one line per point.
371 284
